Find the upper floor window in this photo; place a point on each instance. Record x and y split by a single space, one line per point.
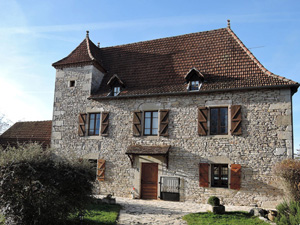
194 85
151 123
219 120
94 124
117 91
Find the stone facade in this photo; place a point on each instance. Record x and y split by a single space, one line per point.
266 137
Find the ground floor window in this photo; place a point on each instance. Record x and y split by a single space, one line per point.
219 174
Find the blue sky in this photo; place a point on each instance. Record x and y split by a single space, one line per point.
34 34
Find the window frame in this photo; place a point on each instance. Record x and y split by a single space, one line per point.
94 133
218 183
218 120
151 122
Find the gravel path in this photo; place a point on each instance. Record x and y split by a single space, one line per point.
137 211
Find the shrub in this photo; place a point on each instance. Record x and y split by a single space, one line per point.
289 172
213 201
37 188
288 213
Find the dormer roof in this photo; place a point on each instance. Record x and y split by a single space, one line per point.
115 80
194 73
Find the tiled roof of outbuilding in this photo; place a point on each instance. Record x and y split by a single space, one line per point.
31 131
160 66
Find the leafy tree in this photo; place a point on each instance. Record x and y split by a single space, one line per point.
37 187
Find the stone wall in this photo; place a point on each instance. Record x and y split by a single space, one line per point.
266 138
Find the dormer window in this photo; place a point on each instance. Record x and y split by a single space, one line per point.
117 91
194 80
194 85
116 85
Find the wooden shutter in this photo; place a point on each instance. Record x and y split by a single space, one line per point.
100 170
164 123
235 176
104 123
236 120
204 175
137 123
81 124
202 121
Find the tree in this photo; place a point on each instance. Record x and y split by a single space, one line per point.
289 172
38 188
4 123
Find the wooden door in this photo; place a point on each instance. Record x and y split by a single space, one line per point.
149 180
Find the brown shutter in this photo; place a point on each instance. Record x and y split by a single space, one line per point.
164 123
202 121
204 175
104 123
236 120
137 123
81 125
100 170
235 176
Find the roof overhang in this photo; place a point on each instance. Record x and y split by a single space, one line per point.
155 150
293 87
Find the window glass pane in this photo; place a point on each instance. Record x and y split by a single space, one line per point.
155 114
224 120
147 123
97 123
213 121
147 114
155 123
154 131
147 131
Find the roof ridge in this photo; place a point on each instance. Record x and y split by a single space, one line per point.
34 121
163 38
89 49
254 59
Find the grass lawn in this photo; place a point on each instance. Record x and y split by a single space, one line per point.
99 214
232 218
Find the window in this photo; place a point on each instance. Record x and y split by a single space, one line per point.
219 173
194 85
94 124
117 91
151 123
219 120
72 83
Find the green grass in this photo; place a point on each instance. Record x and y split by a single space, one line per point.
232 218
2 219
99 214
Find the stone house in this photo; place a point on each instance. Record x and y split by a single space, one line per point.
177 118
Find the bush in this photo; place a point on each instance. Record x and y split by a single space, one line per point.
288 213
38 188
289 171
213 201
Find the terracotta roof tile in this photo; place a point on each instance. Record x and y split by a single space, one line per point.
31 131
160 66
